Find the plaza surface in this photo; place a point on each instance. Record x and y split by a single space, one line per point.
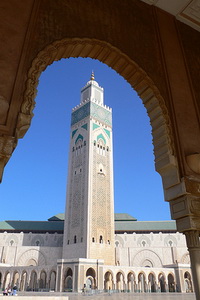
103 296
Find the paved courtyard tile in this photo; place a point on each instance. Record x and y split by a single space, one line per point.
106 296
131 296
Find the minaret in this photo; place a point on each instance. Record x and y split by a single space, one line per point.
89 217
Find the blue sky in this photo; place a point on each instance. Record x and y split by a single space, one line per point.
34 181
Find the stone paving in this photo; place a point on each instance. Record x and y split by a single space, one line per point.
104 296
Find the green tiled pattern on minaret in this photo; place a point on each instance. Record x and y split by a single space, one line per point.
107 132
100 136
73 132
95 126
96 111
79 137
85 126
80 113
101 114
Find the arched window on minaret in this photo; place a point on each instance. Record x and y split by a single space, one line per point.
75 239
101 239
101 147
79 146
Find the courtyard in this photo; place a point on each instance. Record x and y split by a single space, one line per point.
104 296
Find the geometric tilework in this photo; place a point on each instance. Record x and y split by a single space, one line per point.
95 126
79 137
84 126
107 132
73 132
98 112
100 136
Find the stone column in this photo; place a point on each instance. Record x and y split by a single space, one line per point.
192 238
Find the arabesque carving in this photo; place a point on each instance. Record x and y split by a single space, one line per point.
164 149
7 146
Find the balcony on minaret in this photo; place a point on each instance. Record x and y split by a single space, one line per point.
92 92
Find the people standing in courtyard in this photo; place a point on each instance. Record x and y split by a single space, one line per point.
14 292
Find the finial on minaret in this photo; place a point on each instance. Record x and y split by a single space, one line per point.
92 76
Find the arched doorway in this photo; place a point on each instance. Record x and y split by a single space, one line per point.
23 283
152 283
7 280
15 280
131 282
33 286
52 281
162 283
120 284
142 283
43 280
90 279
68 280
171 283
188 282
108 281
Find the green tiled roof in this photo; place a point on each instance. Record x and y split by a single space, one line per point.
123 223
124 217
58 217
145 226
42 226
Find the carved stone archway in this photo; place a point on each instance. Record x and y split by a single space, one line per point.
164 150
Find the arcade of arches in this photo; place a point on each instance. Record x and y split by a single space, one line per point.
162 66
137 281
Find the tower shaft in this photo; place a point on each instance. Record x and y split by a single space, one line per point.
89 218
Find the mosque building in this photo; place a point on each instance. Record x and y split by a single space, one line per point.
91 247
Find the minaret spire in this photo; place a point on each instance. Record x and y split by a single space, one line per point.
92 76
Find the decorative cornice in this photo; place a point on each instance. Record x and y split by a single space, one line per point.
7 146
192 238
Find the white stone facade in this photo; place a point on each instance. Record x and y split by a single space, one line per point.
34 266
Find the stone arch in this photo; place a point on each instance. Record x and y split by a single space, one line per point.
188 282
37 240
185 259
24 283
7 280
170 241
90 278
145 239
142 284
120 280
12 240
131 282
164 150
52 280
119 240
15 278
152 282
171 283
33 286
162 282
147 255
32 255
68 280
42 279
108 280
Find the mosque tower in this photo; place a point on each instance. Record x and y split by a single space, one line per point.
89 217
